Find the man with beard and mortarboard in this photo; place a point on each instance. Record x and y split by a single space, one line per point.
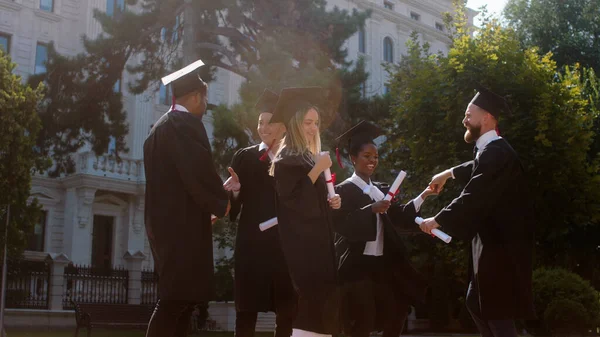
494 212
183 189
262 281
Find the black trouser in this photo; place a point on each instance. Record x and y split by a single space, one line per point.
170 319
487 328
284 299
373 302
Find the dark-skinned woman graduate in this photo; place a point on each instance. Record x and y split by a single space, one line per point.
377 280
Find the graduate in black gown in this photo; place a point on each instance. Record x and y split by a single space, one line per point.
262 281
494 212
183 189
378 281
303 211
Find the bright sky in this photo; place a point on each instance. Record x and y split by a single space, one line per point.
494 7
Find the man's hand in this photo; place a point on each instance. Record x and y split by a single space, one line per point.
233 183
439 180
428 225
335 202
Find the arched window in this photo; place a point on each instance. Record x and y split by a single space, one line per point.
388 50
362 41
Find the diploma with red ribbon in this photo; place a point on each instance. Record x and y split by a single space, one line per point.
330 179
395 186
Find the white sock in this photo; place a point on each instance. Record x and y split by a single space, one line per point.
304 333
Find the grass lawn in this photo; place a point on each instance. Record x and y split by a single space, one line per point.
134 333
109 333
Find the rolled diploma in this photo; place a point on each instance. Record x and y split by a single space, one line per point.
268 224
395 185
330 189
441 235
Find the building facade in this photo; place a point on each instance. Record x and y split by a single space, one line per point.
96 215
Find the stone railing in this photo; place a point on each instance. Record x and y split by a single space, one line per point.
108 166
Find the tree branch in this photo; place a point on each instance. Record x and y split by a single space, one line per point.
221 49
233 69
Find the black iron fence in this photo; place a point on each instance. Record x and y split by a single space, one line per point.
27 285
95 285
149 293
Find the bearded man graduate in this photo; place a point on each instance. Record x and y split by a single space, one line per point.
495 212
183 189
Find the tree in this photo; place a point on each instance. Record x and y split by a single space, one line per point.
80 107
19 126
550 127
570 30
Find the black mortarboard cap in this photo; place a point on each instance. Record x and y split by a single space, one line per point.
185 80
489 101
361 133
291 98
267 101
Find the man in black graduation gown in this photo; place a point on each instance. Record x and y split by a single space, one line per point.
182 191
262 281
494 211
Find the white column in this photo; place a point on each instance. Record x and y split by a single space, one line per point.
134 266
57 262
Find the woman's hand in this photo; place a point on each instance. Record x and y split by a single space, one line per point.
335 202
381 206
429 191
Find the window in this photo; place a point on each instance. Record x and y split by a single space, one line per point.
177 29
163 34
114 6
41 57
362 43
117 86
47 5
415 16
388 5
439 26
165 95
388 50
5 43
112 145
37 235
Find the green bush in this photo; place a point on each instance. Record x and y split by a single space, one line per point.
564 301
564 316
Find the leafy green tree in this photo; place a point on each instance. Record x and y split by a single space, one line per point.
19 157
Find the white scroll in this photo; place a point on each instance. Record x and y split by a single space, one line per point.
268 224
438 233
395 186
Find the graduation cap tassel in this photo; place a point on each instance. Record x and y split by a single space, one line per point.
337 156
173 102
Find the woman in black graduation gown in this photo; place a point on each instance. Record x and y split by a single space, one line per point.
378 282
303 211
262 281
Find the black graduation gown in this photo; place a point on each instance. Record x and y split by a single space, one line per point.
305 230
182 191
356 224
495 211
259 261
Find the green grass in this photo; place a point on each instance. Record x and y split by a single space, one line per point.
109 333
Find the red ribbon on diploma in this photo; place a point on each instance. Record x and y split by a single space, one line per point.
332 179
394 195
